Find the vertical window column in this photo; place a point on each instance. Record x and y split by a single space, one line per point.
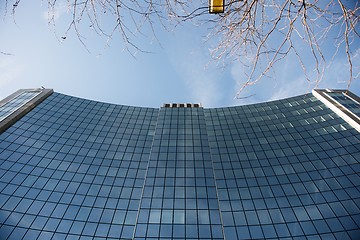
179 198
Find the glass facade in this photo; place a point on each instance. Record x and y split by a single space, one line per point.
346 101
287 169
80 169
179 199
17 102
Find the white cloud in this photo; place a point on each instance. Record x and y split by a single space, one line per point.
288 79
9 76
56 12
190 59
239 72
290 88
337 74
201 80
9 70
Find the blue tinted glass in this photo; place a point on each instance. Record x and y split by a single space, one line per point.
79 169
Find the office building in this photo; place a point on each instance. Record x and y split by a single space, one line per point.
72 168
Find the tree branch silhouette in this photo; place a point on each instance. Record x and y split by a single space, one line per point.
264 32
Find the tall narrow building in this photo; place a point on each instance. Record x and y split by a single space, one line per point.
72 168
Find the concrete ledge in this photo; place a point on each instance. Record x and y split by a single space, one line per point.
343 112
27 107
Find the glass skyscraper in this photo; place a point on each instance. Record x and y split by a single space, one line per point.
72 168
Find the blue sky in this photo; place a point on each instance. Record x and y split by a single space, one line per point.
179 69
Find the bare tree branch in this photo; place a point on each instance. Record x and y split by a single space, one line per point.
258 33
6 53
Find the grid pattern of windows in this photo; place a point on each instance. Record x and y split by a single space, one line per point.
14 104
179 199
346 101
79 169
73 168
286 169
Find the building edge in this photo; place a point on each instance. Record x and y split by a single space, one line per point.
337 107
23 108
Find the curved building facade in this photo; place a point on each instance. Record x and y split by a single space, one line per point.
72 168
